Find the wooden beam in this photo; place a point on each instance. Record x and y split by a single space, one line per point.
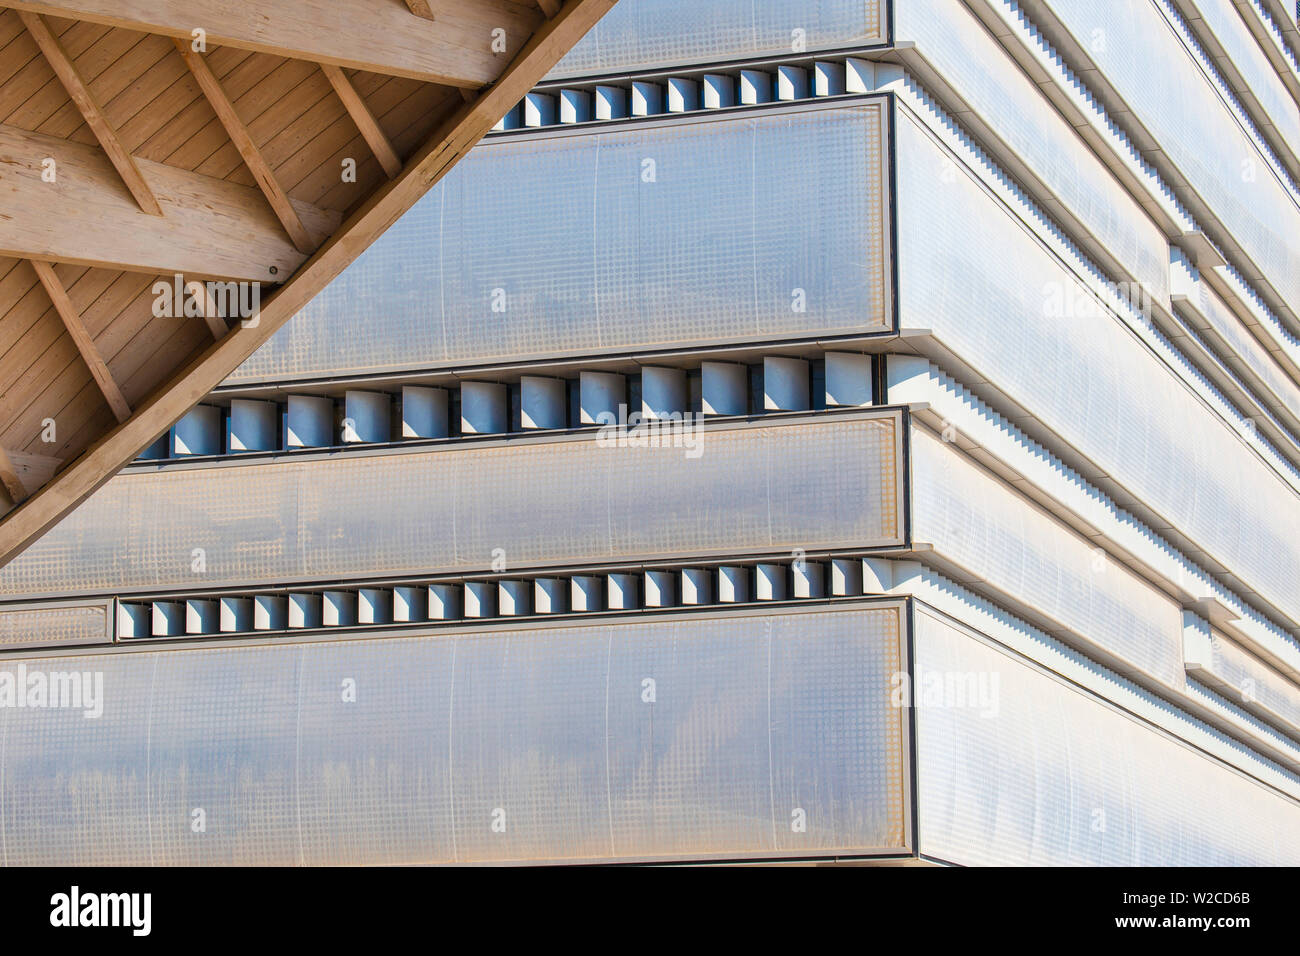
379 36
211 314
420 8
91 111
549 7
252 156
370 130
452 140
81 338
211 228
28 473
9 480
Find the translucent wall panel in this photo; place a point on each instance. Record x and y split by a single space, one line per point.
1216 315
985 527
953 41
1082 373
46 626
644 33
1230 30
1243 678
829 483
1192 126
689 232
76 789
1046 774
768 735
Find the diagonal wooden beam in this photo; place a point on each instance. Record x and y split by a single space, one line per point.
9 480
91 111
23 473
365 120
420 8
81 338
379 36
211 314
453 138
252 156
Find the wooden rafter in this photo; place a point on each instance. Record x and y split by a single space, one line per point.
210 227
81 338
420 8
379 36
248 151
9 480
216 324
549 7
450 141
374 136
91 111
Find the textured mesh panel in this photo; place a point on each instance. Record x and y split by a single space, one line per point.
376 768
1193 126
974 275
221 739
1229 327
55 625
830 483
1056 777
644 33
1245 52
1254 684
952 40
543 731
741 212
987 528
75 788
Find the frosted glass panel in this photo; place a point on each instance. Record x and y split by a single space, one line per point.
644 33
1193 126
546 750
976 276
954 42
764 226
1051 776
989 530
764 486
48 626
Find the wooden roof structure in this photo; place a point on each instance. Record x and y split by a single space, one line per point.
264 142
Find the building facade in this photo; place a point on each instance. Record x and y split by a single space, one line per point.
851 430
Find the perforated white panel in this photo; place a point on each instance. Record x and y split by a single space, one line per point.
953 41
535 744
976 276
829 483
984 526
1247 56
682 234
1053 776
643 33
1193 126
47 626
1228 327
1247 681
